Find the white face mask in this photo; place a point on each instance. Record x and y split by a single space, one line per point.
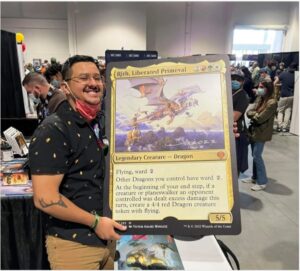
261 92
34 99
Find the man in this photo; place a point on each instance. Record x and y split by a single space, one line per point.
53 75
240 102
264 75
67 166
280 69
45 96
285 104
255 74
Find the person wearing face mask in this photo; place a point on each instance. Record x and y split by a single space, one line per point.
261 130
240 102
66 157
280 69
53 75
45 97
273 68
285 104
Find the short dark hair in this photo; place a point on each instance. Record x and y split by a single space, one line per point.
52 70
34 77
66 69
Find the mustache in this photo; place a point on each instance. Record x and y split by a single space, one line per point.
92 89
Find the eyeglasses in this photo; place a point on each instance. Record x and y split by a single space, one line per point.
85 78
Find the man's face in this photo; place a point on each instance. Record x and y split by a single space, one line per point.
263 74
33 89
85 82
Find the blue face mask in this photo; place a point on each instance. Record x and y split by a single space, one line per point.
55 83
35 100
235 85
260 92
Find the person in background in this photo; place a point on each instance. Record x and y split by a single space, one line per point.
280 69
44 67
46 98
261 129
285 104
255 74
264 76
240 102
66 159
53 61
53 75
248 84
273 68
268 67
28 68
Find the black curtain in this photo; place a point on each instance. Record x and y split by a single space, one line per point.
22 235
12 104
286 57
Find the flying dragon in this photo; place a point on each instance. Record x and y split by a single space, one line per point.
152 89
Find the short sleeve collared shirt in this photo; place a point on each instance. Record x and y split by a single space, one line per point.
64 143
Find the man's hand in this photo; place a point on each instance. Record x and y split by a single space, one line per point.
235 130
106 229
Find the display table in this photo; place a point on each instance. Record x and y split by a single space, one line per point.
22 236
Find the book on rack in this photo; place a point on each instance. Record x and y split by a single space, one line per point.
14 172
17 141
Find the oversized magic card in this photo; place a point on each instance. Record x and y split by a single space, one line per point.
171 163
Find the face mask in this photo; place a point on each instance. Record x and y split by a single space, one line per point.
235 85
88 111
55 83
273 68
260 92
34 99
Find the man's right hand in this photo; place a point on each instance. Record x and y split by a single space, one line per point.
106 229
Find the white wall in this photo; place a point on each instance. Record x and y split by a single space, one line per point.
34 10
210 28
102 26
43 38
212 24
166 28
292 37
61 29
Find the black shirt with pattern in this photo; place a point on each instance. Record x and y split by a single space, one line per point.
64 143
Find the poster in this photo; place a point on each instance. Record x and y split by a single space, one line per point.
171 163
148 252
13 173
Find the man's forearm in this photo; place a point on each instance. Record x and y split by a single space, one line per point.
62 208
